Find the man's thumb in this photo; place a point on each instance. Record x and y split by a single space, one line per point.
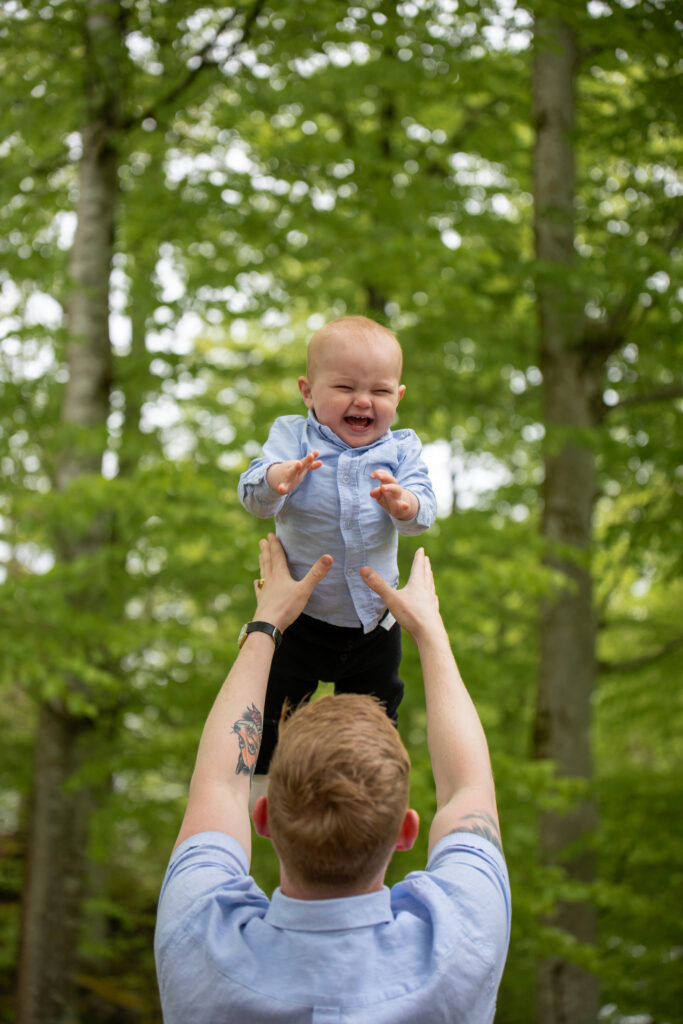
374 581
319 570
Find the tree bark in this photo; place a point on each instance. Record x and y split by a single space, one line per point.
567 994
54 886
58 831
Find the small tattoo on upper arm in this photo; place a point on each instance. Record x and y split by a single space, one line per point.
249 729
481 823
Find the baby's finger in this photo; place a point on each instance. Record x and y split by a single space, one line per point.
391 491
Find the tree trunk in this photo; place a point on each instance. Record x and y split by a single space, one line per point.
54 885
60 814
567 994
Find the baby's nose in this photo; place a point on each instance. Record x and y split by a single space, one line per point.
362 399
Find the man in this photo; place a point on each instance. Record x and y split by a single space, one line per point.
335 944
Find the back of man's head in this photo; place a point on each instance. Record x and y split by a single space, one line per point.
338 791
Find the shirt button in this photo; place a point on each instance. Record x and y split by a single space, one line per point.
349 572
345 479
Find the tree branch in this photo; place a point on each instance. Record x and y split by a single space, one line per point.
200 61
455 143
659 395
633 664
600 340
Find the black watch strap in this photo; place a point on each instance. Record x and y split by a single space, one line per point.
260 627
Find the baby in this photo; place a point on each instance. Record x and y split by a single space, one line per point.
341 482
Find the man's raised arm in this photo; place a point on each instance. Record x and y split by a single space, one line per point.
465 793
229 746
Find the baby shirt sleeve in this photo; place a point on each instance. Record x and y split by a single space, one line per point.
284 443
412 473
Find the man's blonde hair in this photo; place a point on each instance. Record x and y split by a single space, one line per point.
361 327
338 791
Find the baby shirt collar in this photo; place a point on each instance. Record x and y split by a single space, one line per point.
330 435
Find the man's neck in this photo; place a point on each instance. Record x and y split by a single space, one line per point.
309 891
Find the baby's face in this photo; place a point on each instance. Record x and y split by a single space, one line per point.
353 387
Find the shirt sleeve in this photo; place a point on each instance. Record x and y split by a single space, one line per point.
284 443
207 901
412 473
202 865
476 869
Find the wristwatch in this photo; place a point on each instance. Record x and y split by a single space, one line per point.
260 627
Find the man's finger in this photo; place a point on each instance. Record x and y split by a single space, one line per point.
318 571
420 566
421 571
273 555
264 557
376 582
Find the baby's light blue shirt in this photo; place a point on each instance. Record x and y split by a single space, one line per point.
430 950
331 512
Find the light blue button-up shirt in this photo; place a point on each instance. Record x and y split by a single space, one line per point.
431 950
331 512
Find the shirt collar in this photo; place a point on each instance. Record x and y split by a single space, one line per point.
363 911
330 435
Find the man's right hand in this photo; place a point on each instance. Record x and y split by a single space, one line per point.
415 606
285 477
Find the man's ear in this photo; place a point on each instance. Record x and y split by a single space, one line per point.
410 826
305 389
260 817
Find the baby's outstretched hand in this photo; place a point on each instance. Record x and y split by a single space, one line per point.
285 477
396 500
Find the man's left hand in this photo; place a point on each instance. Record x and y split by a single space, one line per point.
279 598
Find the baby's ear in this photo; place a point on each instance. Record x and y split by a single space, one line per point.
401 391
305 389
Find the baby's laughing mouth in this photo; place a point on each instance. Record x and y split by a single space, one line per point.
358 422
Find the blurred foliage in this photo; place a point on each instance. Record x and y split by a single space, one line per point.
377 159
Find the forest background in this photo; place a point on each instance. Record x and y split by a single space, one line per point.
188 191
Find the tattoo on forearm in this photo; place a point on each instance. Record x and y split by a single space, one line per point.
249 729
480 823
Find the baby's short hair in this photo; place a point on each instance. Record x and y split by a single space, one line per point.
362 327
338 791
